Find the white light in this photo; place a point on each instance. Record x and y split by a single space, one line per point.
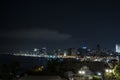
108 71
77 58
81 72
65 54
35 49
51 56
84 47
118 48
99 74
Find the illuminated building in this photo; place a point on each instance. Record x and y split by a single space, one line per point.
44 51
36 51
118 48
71 52
65 53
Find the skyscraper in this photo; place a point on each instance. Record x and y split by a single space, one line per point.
118 48
44 51
36 51
71 52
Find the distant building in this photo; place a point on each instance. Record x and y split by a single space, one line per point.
98 49
36 51
65 53
44 51
82 51
71 52
58 52
118 48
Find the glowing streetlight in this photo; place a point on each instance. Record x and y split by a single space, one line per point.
81 72
99 73
108 70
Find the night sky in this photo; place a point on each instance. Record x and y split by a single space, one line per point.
57 24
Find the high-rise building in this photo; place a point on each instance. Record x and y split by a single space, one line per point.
44 51
36 51
82 51
65 53
118 48
98 49
71 52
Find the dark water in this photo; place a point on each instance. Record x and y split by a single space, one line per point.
25 62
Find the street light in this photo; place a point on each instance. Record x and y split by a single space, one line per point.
99 73
81 72
108 70
109 74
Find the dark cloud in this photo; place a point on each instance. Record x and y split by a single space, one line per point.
43 34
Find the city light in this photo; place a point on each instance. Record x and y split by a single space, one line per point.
35 49
81 72
108 70
60 40
118 48
99 74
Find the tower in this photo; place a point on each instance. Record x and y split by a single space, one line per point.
118 48
36 51
44 51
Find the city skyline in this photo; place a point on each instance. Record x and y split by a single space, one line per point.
27 25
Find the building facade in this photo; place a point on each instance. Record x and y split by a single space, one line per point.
118 48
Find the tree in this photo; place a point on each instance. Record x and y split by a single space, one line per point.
14 66
53 66
96 78
117 71
5 73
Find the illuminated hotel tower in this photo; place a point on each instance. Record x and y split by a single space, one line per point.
118 48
